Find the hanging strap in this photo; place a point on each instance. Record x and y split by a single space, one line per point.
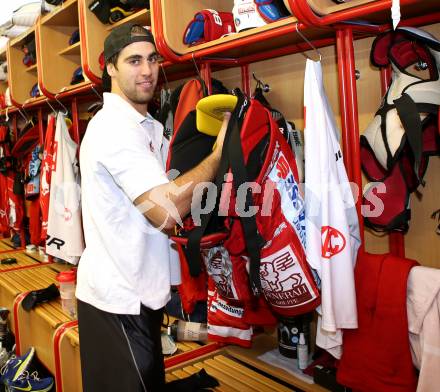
192 250
410 118
252 238
232 156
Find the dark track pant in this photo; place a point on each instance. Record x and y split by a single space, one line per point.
120 352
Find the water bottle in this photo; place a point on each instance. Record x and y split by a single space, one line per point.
185 330
67 281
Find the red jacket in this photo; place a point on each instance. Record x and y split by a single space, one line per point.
376 356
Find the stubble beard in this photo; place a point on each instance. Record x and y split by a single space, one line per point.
141 98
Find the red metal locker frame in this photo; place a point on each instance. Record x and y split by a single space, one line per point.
59 333
303 12
349 115
17 303
396 241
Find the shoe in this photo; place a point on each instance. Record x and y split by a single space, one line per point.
16 366
29 383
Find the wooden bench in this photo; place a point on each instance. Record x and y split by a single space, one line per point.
30 275
67 358
230 373
23 260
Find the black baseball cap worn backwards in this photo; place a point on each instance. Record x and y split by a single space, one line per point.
122 36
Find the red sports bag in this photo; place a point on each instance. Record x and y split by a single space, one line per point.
264 249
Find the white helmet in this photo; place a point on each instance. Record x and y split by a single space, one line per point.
246 15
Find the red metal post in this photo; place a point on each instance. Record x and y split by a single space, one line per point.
352 106
245 80
40 127
340 49
75 121
351 132
17 303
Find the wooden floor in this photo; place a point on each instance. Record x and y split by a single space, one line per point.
232 375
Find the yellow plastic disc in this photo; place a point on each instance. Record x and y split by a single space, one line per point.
209 115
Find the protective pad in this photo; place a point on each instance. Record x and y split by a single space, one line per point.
195 30
210 110
269 10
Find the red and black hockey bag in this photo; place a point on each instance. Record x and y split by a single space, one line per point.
253 239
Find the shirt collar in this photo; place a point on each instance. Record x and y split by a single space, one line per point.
116 103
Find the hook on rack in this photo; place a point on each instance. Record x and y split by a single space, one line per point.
167 86
260 85
92 86
66 112
53 109
97 105
308 42
24 115
195 65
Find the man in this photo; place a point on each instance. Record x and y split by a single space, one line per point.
125 272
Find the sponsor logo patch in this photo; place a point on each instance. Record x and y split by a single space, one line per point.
333 242
282 280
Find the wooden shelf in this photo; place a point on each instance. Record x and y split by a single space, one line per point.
95 33
33 100
32 68
74 49
58 59
279 34
75 86
21 78
175 19
63 15
141 17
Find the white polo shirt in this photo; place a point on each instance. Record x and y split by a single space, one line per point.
126 261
